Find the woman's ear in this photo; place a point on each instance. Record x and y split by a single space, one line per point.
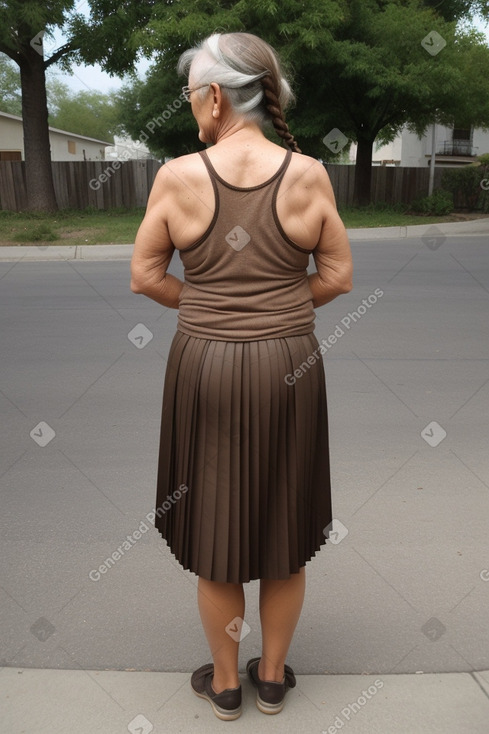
216 98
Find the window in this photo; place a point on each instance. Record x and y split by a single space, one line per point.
462 140
71 146
10 155
462 133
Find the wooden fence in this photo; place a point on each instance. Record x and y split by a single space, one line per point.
390 184
109 184
79 184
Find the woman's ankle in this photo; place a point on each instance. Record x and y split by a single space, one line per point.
218 686
270 673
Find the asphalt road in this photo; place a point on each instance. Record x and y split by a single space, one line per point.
405 588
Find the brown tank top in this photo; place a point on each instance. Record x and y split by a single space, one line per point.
244 279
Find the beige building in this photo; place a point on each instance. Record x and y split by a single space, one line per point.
65 146
453 147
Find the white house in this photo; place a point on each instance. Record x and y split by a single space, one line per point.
453 147
65 146
125 149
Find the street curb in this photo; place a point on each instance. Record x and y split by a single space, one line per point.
474 227
68 252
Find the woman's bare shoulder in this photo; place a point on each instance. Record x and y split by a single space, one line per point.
307 170
306 181
186 170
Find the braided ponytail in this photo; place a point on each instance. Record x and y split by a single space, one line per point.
273 106
250 74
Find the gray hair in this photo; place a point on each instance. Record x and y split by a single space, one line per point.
238 62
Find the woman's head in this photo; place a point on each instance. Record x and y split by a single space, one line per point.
249 73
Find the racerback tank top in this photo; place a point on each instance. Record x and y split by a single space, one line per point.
244 279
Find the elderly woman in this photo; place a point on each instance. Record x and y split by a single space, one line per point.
243 484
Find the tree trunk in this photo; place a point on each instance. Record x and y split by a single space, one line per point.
363 173
39 177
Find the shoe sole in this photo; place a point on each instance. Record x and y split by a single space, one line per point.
222 714
263 706
269 708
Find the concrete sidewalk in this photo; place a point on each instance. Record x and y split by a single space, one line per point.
113 702
476 227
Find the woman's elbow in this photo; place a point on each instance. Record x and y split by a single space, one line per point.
135 286
344 280
137 281
346 285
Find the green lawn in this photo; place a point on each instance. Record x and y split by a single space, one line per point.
119 226
372 217
114 227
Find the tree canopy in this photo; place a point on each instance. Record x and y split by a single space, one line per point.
105 34
87 112
458 9
364 67
10 98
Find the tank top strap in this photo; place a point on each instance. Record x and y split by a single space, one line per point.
208 164
282 170
277 176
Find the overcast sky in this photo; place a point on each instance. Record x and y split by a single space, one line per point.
93 78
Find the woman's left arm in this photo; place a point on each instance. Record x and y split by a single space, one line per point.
153 249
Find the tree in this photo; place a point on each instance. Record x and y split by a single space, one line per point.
154 112
104 36
89 113
10 100
391 64
21 38
360 65
459 9
294 28
363 67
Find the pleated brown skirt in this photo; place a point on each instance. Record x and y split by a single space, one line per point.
243 483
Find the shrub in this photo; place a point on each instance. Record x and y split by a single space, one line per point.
466 185
438 204
484 183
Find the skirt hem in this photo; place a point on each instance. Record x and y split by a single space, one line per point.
252 577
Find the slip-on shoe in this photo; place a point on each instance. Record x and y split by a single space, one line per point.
270 695
227 704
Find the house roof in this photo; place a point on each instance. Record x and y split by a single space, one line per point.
57 130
